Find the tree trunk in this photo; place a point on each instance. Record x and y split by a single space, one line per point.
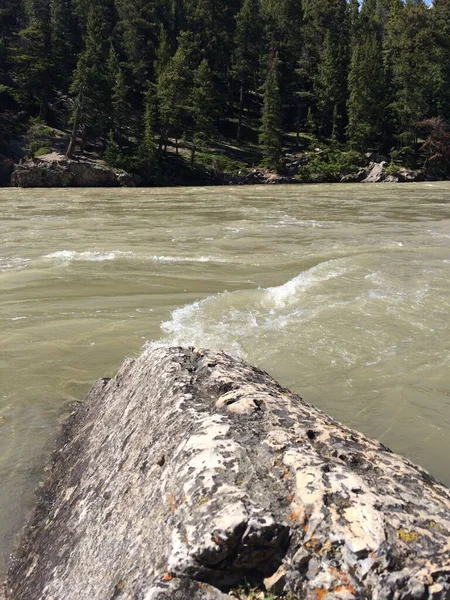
43 108
191 474
192 154
76 123
241 112
83 139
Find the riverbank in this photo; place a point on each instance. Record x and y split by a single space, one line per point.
304 160
56 170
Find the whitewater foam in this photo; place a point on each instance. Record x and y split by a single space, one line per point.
230 320
13 264
187 259
322 272
67 256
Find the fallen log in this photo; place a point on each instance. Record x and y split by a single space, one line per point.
193 475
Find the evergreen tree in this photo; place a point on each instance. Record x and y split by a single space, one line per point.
284 31
163 52
408 50
11 15
139 28
213 22
174 87
33 57
113 155
147 149
202 107
90 84
367 106
270 138
367 72
330 83
121 111
440 21
324 63
247 52
65 43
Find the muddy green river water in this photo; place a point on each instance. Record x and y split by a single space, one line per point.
340 292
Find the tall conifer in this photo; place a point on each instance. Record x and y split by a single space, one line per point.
270 138
90 85
247 52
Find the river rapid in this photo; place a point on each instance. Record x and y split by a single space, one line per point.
341 292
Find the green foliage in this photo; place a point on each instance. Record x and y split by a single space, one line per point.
147 149
367 105
270 138
331 164
42 151
440 24
40 137
248 42
120 107
219 162
33 57
354 75
202 107
37 130
139 25
174 86
90 84
112 155
410 60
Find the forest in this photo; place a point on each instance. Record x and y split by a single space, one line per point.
142 83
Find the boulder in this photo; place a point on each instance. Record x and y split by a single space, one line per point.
375 173
410 175
192 475
56 170
356 177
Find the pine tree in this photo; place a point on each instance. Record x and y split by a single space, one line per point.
65 42
113 155
90 85
367 106
247 52
139 28
174 87
270 138
330 82
33 57
202 107
441 28
213 22
11 15
324 62
163 52
121 111
408 52
147 149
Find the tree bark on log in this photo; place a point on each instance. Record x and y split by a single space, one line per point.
192 473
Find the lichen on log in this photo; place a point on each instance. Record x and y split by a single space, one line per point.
192 473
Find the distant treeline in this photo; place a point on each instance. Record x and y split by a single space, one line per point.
128 75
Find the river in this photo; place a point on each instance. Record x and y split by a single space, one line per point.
341 292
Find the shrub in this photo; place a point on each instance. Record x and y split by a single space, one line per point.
41 151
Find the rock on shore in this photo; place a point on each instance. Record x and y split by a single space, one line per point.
192 473
56 170
377 172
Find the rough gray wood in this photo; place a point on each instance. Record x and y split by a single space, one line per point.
192 472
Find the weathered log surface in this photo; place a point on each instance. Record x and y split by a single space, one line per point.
192 472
